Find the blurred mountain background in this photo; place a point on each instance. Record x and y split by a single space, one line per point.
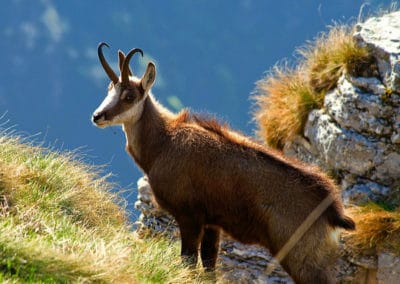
208 54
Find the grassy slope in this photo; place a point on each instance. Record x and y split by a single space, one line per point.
59 222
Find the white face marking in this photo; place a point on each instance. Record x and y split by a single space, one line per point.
111 99
130 115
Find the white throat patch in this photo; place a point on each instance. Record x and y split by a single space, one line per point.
131 115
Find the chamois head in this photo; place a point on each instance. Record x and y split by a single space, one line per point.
126 93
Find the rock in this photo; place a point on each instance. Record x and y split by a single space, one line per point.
388 268
382 36
355 109
361 194
394 99
389 170
250 260
371 85
301 148
152 220
338 148
345 149
395 138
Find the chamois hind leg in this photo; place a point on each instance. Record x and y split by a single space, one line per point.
309 272
191 233
209 248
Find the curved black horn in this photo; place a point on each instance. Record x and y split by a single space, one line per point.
125 66
113 77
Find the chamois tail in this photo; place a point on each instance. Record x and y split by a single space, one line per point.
342 221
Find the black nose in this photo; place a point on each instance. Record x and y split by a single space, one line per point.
96 116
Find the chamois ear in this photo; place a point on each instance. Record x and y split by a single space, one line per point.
121 58
149 76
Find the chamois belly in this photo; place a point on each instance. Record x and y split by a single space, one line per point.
245 222
248 234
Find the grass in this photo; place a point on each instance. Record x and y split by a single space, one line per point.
286 95
333 53
284 100
378 229
60 222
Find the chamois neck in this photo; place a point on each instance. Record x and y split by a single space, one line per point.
145 137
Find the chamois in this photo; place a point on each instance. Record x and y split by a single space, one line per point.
211 178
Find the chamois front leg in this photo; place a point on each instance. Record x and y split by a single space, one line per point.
191 233
209 248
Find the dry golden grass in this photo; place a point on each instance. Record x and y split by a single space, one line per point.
332 53
283 102
377 229
286 95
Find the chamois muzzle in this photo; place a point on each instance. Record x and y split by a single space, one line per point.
111 74
97 116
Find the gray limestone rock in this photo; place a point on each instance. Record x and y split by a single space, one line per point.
382 36
355 109
152 219
250 262
388 268
346 150
395 138
370 85
362 193
388 171
340 149
303 150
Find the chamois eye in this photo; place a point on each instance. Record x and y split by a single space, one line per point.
129 97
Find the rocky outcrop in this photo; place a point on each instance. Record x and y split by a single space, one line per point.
382 37
356 137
